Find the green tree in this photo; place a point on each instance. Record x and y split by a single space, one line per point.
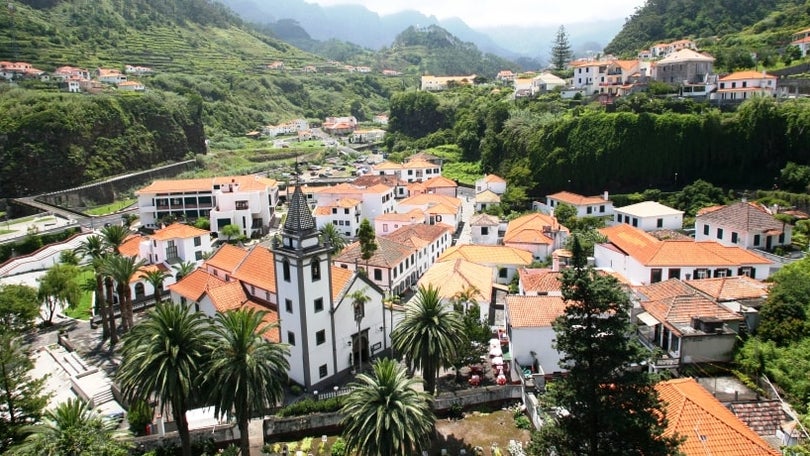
610 408
330 234
73 429
21 398
359 299
784 314
384 414
429 336
114 236
368 241
162 358
155 277
415 114
19 308
203 223
69 256
58 289
183 269
122 270
566 214
561 49
246 372
94 247
792 52
697 195
232 232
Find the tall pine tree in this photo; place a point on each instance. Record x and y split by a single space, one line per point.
607 402
561 49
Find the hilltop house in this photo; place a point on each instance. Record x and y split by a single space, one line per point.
685 66
415 169
438 209
537 233
376 199
742 85
484 229
491 182
435 83
801 39
745 224
586 206
502 260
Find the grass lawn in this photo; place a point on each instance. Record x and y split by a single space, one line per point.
82 311
111 208
2 232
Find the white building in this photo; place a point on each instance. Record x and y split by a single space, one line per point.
376 199
434 83
246 201
650 216
529 323
484 229
503 261
745 224
437 208
491 182
586 206
742 85
537 233
345 214
392 221
413 170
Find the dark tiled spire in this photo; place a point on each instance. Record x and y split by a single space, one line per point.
299 217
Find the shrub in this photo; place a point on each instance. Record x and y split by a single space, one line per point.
139 416
308 406
338 448
523 422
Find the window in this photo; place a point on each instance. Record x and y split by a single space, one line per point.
706 230
589 210
655 275
171 250
197 241
318 304
746 271
602 208
334 210
722 272
346 211
316 268
285 269
377 274
659 223
241 205
320 337
323 371
635 222
288 305
701 273
291 338
484 231
359 310
198 255
719 233
385 227
756 239
674 273
781 238
502 272
733 237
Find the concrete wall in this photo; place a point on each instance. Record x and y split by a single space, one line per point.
220 434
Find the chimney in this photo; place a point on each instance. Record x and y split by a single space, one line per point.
555 261
605 196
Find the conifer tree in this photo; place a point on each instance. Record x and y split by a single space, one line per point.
607 403
561 49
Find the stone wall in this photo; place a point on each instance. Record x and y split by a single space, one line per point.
220 434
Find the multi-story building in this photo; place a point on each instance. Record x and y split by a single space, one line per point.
345 214
376 199
742 85
413 170
685 66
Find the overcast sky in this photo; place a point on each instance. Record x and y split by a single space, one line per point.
484 13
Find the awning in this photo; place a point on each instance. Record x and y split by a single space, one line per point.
648 319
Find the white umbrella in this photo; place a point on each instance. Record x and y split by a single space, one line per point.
495 351
498 360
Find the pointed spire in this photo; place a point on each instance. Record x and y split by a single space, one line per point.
299 217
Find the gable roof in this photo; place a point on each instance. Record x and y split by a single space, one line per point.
178 231
368 180
532 229
731 288
648 209
440 182
685 55
706 425
227 258
228 296
487 254
341 280
540 280
131 247
454 276
749 74
533 311
677 312
492 178
389 253
414 215
195 284
430 199
418 235
650 251
484 220
487 196
763 417
258 269
577 199
742 216
207 184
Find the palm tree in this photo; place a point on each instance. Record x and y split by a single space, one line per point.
114 236
73 429
429 336
359 299
466 296
122 269
93 247
247 372
183 269
161 359
334 237
155 277
384 414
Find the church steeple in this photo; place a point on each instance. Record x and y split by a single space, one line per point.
299 218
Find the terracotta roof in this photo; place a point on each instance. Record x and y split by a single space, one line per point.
416 187
429 199
453 277
440 182
484 220
147 269
541 281
227 258
418 235
676 312
576 199
258 269
178 231
488 254
415 214
750 74
533 311
487 196
763 417
387 165
685 55
341 279
706 425
648 209
742 216
531 229
369 180
206 184
270 317
663 290
226 297
131 246
418 163
649 251
442 208
195 284
342 203
492 178
731 288
389 253
626 64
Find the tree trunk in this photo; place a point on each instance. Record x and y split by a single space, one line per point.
122 307
244 436
182 429
130 317
108 284
101 307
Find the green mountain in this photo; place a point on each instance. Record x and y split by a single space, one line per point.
663 20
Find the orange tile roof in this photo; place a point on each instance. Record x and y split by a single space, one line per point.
742 216
270 317
419 163
441 208
440 182
707 426
487 254
676 312
206 184
389 254
416 187
430 199
529 229
663 290
750 74
453 277
195 284
802 40
484 220
227 258
131 246
492 178
414 214
540 281
650 251
533 311
341 279
576 199
178 231
626 64
258 268
387 165
147 269
731 288
342 203
419 235
226 297
487 196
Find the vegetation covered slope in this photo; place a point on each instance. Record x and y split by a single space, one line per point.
662 20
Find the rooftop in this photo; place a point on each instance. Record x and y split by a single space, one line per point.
488 254
533 311
742 216
648 209
534 228
540 281
577 199
456 276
